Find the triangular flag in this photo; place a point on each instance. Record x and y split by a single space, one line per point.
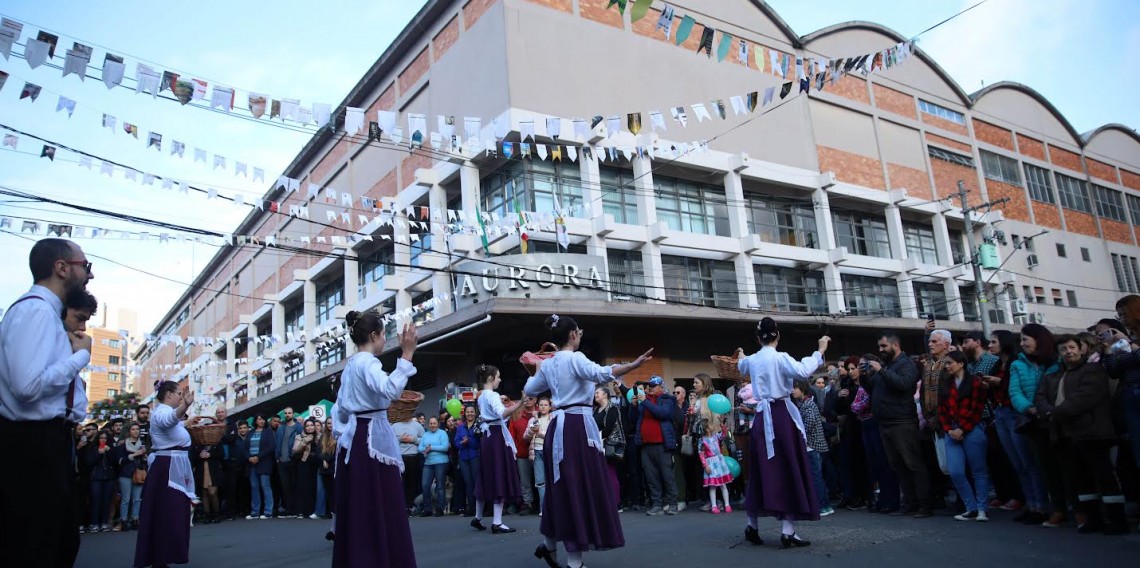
684 29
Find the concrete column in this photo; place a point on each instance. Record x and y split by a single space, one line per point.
254 350
895 231
908 305
310 303
351 277
953 298
469 187
230 365
738 228
833 287
646 216
942 240
440 281
592 193
821 204
277 319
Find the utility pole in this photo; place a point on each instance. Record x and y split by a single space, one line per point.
979 284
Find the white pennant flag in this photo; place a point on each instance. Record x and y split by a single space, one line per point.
65 104
76 62
657 121
738 105
147 80
701 112
113 70
223 98
353 120
322 113
36 52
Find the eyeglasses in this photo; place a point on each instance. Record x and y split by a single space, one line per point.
86 264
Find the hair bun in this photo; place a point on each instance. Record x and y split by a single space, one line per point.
767 328
351 318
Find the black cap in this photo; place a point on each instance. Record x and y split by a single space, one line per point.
1110 322
975 335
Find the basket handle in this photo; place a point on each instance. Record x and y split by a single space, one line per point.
553 348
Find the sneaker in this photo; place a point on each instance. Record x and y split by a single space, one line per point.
671 510
314 516
1011 505
856 506
728 508
1054 521
706 508
655 511
250 517
715 510
681 506
104 528
996 503
621 509
982 517
922 513
826 511
967 516
264 517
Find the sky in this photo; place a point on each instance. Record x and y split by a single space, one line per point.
1064 49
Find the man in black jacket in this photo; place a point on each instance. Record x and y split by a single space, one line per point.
891 385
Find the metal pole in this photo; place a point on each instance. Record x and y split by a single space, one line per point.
979 291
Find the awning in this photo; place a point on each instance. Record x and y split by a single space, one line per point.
260 364
288 351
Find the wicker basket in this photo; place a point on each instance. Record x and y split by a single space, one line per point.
208 435
402 410
726 367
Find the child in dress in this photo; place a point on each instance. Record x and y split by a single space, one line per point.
717 473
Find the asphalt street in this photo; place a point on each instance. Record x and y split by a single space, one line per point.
692 538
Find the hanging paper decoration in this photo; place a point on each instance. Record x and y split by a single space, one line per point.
724 47
686 28
633 122
48 152
183 91
665 21
30 91
706 41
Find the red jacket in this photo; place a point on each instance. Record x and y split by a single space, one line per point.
517 427
961 408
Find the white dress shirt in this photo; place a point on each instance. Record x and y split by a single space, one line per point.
366 391
36 362
773 374
167 432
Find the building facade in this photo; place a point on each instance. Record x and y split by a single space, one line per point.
107 376
829 210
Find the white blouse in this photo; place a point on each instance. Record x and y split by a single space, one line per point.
366 391
167 432
773 373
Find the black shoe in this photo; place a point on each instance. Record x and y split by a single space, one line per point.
330 536
790 540
439 512
496 529
425 513
856 506
524 511
1033 518
752 535
1020 517
922 513
843 503
477 524
546 555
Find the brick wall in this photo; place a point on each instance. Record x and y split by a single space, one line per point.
994 135
946 176
1116 231
414 71
1030 147
944 124
694 39
445 38
1101 170
1082 223
1016 208
597 11
647 26
409 165
852 88
328 163
1065 158
285 273
952 144
562 5
475 9
915 181
1046 215
1129 179
894 101
851 168
386 101
386 187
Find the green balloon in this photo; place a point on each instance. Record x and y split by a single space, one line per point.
454 407
733 466
719 404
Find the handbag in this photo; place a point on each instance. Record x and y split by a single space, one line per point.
687 445
614 444
139 476
531 361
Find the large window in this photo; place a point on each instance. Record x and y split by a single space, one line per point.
1127 272
930 297
1037 180
790 289
957 247
426 309
329 296
1074 194
690 206
627 275
1134 208
374 267
113 360
1109 203
536 185
920 243
700 281
420 247
536 246
862 233
941 112
783 221
952 157
869 296
618 194
295 318
1000 168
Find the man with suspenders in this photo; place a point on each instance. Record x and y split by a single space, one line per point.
41 399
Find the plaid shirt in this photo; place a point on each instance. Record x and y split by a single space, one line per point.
813 423
963 408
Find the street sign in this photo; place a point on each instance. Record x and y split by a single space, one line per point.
317 412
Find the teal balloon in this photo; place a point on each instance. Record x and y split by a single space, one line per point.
733 466
454 407
629 394
718 403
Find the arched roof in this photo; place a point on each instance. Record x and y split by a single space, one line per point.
895 36
793 37
977 96
1087 137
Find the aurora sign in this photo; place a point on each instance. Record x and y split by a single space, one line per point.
536 276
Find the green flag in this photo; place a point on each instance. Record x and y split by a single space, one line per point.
482 232
685 29
639 10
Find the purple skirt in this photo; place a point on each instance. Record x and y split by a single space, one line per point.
579 509
164 520
371 521
780 487
499 476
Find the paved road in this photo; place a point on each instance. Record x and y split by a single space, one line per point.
689 539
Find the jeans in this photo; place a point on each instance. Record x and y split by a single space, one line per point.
101 491
658 466
437 473
469 470
540 477
816 461
130 496
1019 449
969 453
526 480
259 486
321 506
